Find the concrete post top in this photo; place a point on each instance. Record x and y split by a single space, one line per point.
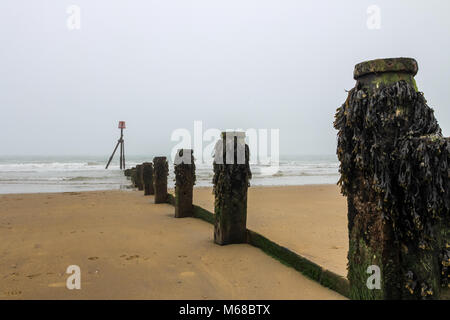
401 65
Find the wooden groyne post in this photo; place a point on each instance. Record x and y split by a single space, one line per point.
147 178
160 173
231 181
132 175
127 172
184 167
139 177
395 172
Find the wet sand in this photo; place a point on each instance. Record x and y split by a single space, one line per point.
310 220
129 248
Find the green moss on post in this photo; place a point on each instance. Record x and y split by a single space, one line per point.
160 173
375 74
184 167
395 172
147 178
203 214
231 182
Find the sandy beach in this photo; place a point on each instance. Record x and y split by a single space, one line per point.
310 220
129 248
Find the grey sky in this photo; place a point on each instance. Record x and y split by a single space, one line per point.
160 65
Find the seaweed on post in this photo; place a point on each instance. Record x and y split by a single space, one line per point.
160 173
139 178
395 173
147 178
133 177
231 182
184 168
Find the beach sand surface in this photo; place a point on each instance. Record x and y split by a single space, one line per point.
309 220
129 248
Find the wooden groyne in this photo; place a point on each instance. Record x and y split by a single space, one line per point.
395 172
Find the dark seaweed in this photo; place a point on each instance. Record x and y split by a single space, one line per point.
392 139
227 174
160 168
184 172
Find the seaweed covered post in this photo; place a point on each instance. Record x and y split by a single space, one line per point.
160 173
147 178
395 172
139 183
184 167
231 181
133 177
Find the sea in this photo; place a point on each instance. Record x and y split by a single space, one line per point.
37 174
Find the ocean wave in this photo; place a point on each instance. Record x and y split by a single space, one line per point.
90 174
82 178
31 179
93 163
51 166
304 174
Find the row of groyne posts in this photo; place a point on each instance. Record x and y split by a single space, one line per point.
231 182
395 173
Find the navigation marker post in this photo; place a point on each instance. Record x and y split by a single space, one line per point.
122 147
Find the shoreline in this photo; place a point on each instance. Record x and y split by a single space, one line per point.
170 189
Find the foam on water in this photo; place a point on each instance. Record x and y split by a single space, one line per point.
64 174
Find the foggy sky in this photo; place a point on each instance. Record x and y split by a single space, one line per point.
161 65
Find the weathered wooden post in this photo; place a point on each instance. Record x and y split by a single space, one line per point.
133 177
395 173
139 182
184 167
147 178
231 181
160 173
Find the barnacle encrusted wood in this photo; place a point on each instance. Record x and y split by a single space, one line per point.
231 181
139 182
160 173
147 178
395 172
184 167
